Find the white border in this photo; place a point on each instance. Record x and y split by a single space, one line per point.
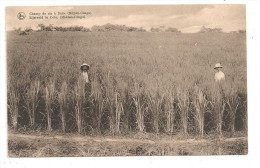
248 161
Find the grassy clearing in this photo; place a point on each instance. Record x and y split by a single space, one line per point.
20 145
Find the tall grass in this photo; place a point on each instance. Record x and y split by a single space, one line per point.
245 115
111 96
13 100
80 101
219 104
49 97
63 104
200 103
98 101
232 104
32 100
184 108
137 95
119 111
170 112
155 105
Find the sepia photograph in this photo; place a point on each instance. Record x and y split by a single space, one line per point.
126 80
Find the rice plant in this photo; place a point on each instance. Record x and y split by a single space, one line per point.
79 99
245 114
49 97
32 100
170 112
219 105
98 101
63 103
232 104
155 104
139 106
119 110
200 103
13 105
110 102
184 107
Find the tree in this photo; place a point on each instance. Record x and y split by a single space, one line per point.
172 29
242 31
155 29
28 29
18 30
110 27
46 28
41 26
210 30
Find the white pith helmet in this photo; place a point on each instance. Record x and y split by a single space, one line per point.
218 65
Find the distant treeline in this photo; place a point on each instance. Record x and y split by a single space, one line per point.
96 28
112 27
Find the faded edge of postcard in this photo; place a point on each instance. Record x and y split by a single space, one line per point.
129 80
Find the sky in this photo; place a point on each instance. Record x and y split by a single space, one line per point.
187 18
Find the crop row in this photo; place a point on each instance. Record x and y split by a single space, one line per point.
102 107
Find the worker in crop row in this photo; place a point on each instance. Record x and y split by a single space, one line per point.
84 69
219 75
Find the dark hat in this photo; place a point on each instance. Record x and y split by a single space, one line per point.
84 67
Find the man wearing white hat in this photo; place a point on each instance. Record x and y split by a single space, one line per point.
219 75
84 68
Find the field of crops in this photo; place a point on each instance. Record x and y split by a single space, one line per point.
141 82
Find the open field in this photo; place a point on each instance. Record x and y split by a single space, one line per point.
141 83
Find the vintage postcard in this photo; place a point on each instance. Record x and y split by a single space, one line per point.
126 80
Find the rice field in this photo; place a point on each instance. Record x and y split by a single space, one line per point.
160 83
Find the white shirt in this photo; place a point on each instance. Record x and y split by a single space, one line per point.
219 76
85 76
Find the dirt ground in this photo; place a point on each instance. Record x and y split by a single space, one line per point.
22 145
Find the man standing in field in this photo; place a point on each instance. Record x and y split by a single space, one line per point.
84 68
85 76
219 75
